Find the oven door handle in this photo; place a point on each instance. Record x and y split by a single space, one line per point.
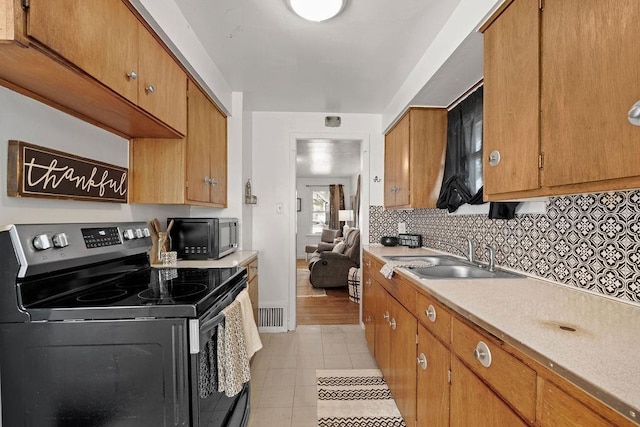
196 331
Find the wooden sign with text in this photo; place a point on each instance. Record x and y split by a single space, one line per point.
34 171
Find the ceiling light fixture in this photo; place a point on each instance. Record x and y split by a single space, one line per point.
317 10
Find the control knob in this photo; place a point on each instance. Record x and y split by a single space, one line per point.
128 234
138 233
146 232
41 242
60 240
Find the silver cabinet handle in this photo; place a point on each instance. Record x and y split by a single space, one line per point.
149 89
634 114
494 158
431 313
392 323
422 361
214 182
132 75
482 354
207 180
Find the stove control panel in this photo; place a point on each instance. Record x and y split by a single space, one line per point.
42 248
103 236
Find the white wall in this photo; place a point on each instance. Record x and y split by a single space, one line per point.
303 218
24 119
274 136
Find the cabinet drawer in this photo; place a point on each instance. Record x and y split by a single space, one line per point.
556 408
402 291
434 316
511 379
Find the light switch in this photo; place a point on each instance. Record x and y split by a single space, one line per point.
402 227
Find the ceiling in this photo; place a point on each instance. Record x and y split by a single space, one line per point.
318 158
353 63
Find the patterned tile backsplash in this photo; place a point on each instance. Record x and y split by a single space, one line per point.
591 241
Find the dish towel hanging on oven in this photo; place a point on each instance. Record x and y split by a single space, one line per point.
208 381
251 335
233 362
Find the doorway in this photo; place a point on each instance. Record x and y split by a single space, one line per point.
321 161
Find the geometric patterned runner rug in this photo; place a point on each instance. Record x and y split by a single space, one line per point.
355 398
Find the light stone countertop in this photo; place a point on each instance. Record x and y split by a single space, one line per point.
232 260
601 356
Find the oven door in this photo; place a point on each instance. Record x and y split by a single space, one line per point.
127 373
210 407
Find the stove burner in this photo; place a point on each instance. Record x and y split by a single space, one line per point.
173 290
101 296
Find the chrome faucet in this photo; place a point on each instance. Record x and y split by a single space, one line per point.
491 253
471 250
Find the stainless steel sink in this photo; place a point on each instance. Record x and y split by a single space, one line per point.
460 271
432 259
448 267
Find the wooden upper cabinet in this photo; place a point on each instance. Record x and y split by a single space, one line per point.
91 59
591 79
414 159
511 99
161 83
99 37
559 83
190 171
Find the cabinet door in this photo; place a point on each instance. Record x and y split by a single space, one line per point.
390 156
199 134
218 157
99 37
511 100
383 332
590 80
474 404
558 409
433 381
162 85
401 148
404 329
368 309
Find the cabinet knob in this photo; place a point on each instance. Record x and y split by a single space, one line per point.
422 361
494 158
368 263
431 313
213 182
482 354
149 89
207 180
368 282
634 114
392 323
132 75
386 316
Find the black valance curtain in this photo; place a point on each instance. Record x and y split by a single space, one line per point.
462 180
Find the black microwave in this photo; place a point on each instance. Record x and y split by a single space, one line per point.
204 238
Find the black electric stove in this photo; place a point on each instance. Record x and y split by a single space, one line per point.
91 334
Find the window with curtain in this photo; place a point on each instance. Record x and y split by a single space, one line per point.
462 180
319 210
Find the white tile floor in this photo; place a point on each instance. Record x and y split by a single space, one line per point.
283 373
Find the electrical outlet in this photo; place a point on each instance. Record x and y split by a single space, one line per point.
402 227
279 208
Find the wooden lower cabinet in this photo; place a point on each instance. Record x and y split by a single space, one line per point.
557 409
434 364
402 383
473 403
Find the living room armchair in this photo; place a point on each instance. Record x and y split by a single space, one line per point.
327 242
330 269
